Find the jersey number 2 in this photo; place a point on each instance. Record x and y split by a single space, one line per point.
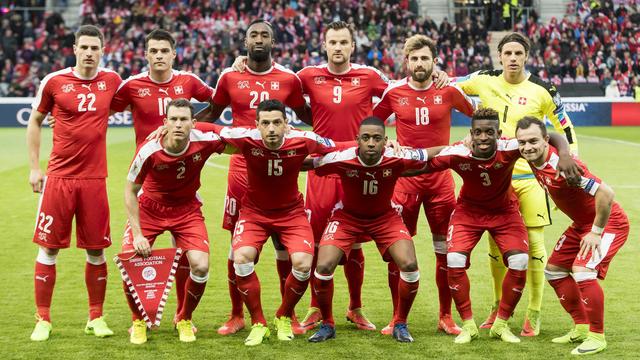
89 99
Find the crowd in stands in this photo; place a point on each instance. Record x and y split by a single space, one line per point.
599 45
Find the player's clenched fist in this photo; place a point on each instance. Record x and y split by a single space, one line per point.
35 179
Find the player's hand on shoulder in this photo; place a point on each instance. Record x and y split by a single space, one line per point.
142 246
240 63
158 133
572 172
35 179
398 149
440 78
590 244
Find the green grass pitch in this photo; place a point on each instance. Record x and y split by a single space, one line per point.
611 153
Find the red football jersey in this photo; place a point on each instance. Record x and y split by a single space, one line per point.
577 202
486 182
81 109
339 102
273 174
169 178
423 116
148 99
368 189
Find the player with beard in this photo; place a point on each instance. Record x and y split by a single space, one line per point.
599 229
243 91
423 119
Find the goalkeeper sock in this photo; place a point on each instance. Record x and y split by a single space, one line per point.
535 271
498 269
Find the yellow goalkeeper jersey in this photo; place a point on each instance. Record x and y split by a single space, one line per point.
532 97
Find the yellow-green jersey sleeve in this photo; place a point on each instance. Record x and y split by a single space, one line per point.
553 108
471 83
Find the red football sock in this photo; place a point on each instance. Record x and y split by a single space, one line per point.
181 276
512 287
234 294
442 283
193 293
293 293
323 289
44 281
284 269
406 294
135 312
314 296
95 277
568 293
593 300
460 288
354 272
249 288
393 279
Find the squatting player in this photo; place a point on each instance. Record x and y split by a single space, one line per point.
168 172
486 202
599 229
423 119
273 205
75 184
147 95
514 93
243 91
369 173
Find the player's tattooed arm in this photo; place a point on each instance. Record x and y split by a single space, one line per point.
307 164
33 145
304 114
210 113
431 153
566 165
140 243
591 242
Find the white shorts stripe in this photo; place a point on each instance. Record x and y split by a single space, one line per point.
44 186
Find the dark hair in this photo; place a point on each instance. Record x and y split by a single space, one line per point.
180 103
372 120
271 105
160 34
515 37
89 30
527 121
338 25
485 114
261 21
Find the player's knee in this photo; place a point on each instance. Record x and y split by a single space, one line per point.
519 261
551 275
47 256
456 260
407 265
325 268
584 274
242 257
200 268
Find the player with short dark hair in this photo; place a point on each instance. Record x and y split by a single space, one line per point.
486 202
423 119
243 92
167 170
514 93
369 173
599 229
74 186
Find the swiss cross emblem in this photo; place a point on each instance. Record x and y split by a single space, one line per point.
497 166
437 99
196 157
178 90
355 82
547 180
522 100
291 152
144 92
403 101
386 172
243 84
275 85
67 88
102 86
319 80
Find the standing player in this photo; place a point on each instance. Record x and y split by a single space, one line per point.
147 95
599 229
273 205
168 172
486 203
423 119
369 173
75 185
514 93
243 91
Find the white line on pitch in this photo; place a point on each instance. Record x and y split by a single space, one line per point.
630 143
